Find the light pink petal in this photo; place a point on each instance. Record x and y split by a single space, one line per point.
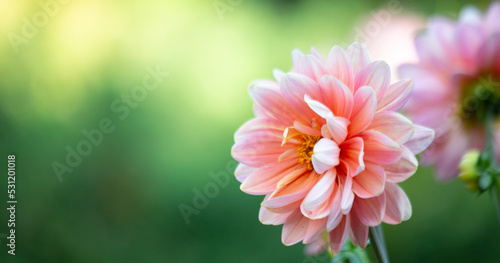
429 84
358 232
347 196
317 107
268 101
297 57
402 169
316 54
306 129
376 75
339 66
491 17
243 171
337 128
264 180
338 235
370 182
358 55
312 67
267 217
278 75
398 207
394 125
289 196
396 96
370 211
317 203
335 211
379 148
326 155
421 139
294 228
489 54
351 154
294 87
337 96
258 143
314 230
469 39
363 111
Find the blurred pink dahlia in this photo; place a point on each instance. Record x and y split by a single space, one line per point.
327 147
456 79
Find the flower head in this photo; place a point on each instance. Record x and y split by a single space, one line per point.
457 83
327 147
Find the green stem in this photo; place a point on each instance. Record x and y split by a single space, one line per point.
495 191
378 243
490 134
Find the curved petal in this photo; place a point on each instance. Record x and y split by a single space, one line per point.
379 148
396 96
335 211
312 67
370 211
338 235
358 232
267 217
421 139
394 125
337 127
294 228
398 207
347 196
370 182
376 75
314 230
363 110
243 171
317 203
337 96
294 87
358 55
402 169
317 107
326 155
289 196
351 154
339 66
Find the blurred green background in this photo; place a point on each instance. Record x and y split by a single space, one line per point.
121 203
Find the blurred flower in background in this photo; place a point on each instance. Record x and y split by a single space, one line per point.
457 84
327 147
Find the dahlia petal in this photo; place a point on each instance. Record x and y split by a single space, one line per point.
358 55
398 207
402 169
294 87
491 18
326 155
363 110
268 127
396 96
347 196
316 53
312 67
316 204
338 97
297 57
489 54
278 75
370 211
376 75
264 180
267 217
243 171
352 155
421 139
306 129
338 235
269 102
379 148
370 182
469 39
429 85
358 232
339 66
394 125
335 211
314 230
289 196
337 127
317 106
294 228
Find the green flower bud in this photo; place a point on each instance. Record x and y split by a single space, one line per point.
469 173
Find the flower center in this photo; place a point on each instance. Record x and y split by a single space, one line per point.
480 98
305 149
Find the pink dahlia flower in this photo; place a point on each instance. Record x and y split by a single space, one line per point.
327 147
457 76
